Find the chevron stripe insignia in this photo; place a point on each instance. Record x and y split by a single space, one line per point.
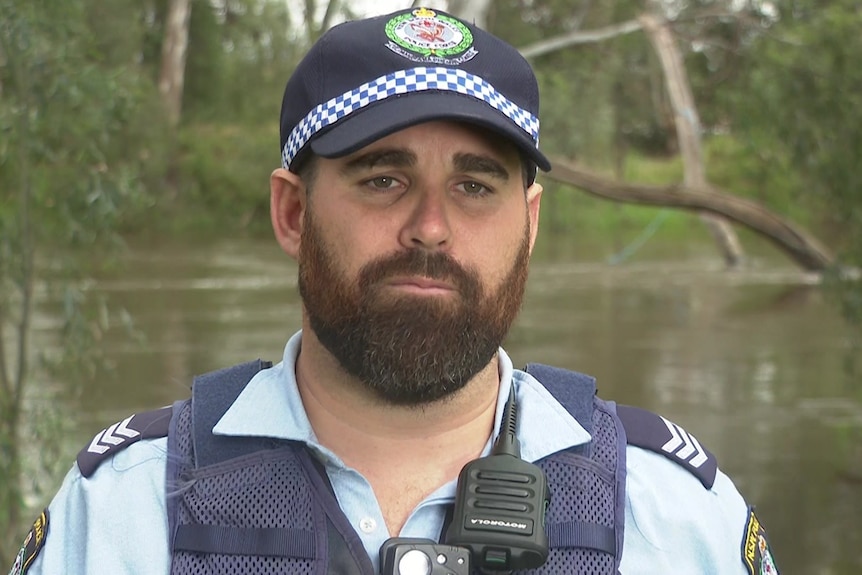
651 431
120 435
113 435
683 445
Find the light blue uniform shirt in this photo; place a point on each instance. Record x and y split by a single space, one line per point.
115 521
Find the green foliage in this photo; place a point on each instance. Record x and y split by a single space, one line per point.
654 171
124 33
240 55
239 58
73 152
799 110
802 101
225 170
592 93
205 77
763 175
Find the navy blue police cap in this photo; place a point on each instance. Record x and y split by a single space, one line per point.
366 79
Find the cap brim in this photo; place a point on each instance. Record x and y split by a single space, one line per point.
376 121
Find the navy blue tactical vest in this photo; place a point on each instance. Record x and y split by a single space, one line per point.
265 506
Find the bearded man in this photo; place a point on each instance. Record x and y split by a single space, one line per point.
408 196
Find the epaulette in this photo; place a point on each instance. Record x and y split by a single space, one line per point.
650 431
114 438
643 428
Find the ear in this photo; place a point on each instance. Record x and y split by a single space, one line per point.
534 201
287 202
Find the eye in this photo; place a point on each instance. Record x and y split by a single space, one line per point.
383 183
474 189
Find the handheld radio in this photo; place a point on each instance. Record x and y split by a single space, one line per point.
500 505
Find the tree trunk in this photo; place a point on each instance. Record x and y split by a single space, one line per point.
174 50
798 244
14 378
688 130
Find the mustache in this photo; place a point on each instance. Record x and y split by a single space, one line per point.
433 265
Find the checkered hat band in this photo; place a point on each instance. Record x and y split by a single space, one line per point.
405 82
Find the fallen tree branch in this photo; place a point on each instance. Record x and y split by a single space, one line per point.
798 244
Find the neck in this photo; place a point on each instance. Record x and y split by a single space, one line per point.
404 452
364 430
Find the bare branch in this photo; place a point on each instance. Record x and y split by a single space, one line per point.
580 37
601 34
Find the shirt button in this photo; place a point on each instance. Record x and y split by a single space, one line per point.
367 525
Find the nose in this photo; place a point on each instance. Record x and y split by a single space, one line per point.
427 226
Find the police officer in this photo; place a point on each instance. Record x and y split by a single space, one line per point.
407 195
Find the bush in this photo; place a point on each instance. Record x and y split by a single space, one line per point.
223 175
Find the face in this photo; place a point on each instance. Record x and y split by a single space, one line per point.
413 258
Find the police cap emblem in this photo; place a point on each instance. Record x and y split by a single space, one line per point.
424 35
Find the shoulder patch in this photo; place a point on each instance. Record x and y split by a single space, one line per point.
755 548
650 431
32 545
120 435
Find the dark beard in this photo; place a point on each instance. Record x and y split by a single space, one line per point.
408 350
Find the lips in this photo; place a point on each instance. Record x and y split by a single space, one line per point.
421 273
420 283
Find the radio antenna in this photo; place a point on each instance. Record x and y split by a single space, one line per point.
507 441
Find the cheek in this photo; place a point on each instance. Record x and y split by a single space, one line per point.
494 253
355 241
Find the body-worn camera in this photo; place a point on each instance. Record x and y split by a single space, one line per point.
411 556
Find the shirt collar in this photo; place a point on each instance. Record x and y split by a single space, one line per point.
270 406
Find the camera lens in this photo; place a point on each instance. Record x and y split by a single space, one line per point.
414 562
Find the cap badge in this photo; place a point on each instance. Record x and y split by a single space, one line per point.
425 36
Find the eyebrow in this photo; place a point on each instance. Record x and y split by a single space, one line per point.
481 164
393 157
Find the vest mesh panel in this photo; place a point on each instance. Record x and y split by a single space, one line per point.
269 489
269 494
583 490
